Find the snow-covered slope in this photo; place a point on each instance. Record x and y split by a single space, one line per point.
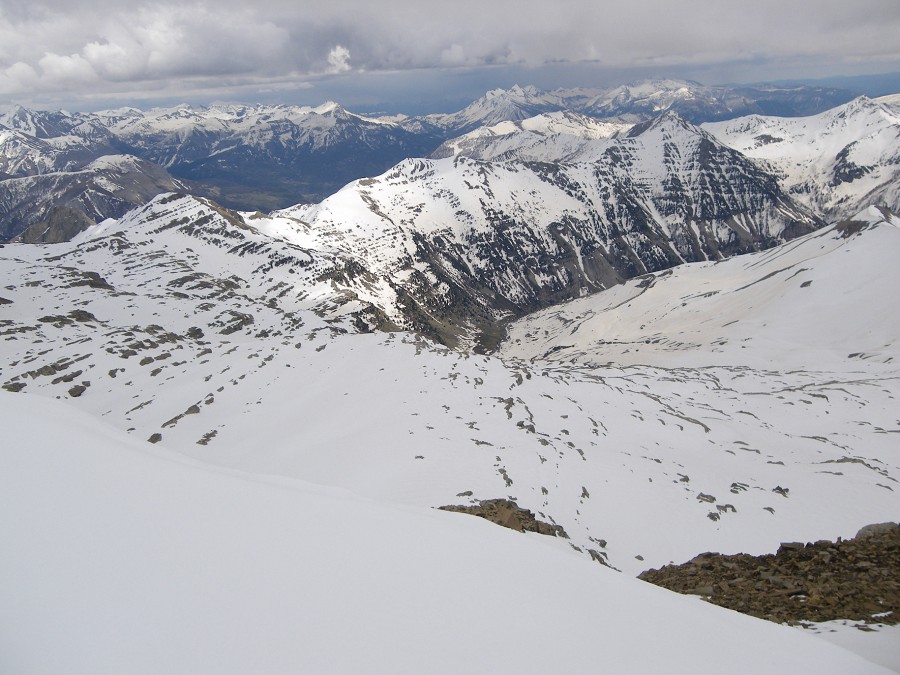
185 331
837 162
131 559
820 301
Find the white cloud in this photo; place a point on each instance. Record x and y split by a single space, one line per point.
339 59
69 70
19 78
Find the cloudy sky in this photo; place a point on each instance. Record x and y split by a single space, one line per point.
87 54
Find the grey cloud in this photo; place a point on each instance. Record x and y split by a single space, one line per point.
57 49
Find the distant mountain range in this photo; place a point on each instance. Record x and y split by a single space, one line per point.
499 222
454 248
268 157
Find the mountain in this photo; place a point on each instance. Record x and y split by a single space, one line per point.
26 149
468 243
639 101
550 137
264 157
48 125
699 103
892 101
269 157
498 105
836 163
51 207
253 157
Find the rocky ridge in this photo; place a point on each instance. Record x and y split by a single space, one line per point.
856 579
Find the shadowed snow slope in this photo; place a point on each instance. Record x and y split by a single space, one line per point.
814 302
119 558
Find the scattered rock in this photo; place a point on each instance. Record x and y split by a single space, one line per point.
508 514
857 579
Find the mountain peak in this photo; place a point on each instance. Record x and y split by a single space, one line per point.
329 108
860 106
669 120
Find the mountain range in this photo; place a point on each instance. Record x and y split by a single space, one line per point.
269 157
237 433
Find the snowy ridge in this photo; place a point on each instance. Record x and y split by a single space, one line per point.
837 162
552 137
186 230
185 133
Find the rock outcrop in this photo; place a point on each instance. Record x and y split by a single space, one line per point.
509 514
857 579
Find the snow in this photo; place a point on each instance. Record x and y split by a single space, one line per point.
806 304
122 558
113 163
391 417
812 154
878 643
552 137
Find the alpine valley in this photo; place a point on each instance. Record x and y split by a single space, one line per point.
251 356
